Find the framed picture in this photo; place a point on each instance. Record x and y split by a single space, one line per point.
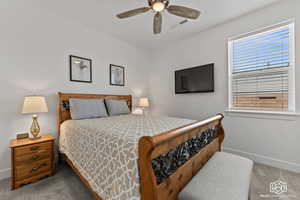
117 75
80 69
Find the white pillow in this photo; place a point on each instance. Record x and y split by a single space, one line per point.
138 111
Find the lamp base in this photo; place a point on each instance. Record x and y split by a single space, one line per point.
35 128
35 138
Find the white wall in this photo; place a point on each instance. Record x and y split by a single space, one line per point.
271 141
34 50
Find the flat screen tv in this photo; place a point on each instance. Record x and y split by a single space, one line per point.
195 80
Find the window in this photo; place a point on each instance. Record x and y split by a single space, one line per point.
261 70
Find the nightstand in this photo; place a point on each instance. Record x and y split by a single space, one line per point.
31 160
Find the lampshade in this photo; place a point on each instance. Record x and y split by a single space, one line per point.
144 102
34 104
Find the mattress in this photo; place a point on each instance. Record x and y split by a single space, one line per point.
105 150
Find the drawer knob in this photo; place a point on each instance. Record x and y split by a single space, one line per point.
36 168
35 157
34 148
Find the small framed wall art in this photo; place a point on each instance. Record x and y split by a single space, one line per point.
80 69
117 75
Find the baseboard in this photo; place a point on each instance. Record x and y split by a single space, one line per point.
4 173
295 167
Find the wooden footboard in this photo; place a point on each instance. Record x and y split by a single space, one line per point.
151 148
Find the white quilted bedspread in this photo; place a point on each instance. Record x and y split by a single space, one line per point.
105 150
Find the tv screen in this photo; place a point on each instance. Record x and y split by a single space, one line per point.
196 79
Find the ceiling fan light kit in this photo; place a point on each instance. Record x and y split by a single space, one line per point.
158 6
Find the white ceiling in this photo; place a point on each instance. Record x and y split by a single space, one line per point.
137 30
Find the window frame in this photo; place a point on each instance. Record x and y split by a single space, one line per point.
292 74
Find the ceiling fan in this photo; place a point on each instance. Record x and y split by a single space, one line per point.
158 6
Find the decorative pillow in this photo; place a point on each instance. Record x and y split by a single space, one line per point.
116 107
87 108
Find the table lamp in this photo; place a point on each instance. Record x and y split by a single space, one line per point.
34 105
144 103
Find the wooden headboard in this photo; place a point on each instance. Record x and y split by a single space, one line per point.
63 103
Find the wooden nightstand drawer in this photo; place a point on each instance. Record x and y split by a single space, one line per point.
25 171
31 158
34 148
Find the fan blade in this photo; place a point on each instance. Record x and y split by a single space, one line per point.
133 12
150 2
157 24
184 12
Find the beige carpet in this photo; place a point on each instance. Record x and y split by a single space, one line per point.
264 175
65 185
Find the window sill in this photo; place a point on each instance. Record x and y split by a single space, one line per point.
263 114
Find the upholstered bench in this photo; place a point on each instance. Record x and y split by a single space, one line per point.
224 177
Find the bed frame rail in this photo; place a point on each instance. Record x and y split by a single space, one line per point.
152 147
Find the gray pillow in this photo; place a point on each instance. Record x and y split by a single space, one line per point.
116 107
87 108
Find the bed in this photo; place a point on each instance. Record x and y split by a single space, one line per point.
135 157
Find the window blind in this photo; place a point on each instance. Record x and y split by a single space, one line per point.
260 70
